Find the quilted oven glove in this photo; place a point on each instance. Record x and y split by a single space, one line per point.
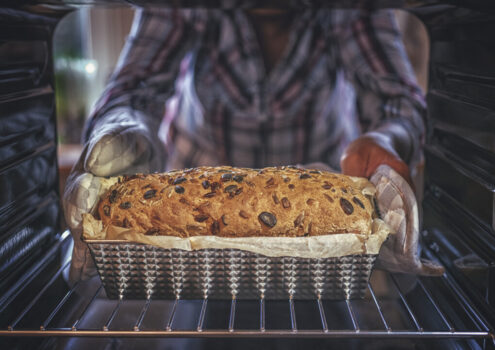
399 209
121 145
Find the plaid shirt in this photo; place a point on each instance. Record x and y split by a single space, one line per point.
343 73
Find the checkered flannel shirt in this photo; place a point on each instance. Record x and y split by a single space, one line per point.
198 78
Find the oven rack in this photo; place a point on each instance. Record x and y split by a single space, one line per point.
396 306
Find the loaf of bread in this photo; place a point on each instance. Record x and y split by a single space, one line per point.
238 202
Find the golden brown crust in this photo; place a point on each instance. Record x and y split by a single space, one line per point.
238 202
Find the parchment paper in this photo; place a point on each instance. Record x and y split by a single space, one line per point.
325 246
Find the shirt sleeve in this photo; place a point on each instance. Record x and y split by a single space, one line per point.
375 60
146 71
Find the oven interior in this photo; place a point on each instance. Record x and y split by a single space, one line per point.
39 310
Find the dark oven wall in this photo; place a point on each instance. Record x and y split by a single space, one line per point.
29 198
459 205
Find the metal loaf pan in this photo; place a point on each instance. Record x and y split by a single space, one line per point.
140 271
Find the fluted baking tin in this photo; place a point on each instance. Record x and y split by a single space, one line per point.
139 271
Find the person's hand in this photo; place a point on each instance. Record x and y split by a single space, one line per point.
80 196
121 145
365 154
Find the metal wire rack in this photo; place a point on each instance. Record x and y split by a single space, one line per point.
396 306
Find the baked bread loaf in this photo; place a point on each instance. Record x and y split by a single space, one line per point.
238 202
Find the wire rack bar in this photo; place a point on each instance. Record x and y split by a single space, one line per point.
76 323
232 314
323 318
293 322
202 314
113 314
378 307
435 305
66 332
353 316
262 314
168 327
37 297
58 307
140 319
406 304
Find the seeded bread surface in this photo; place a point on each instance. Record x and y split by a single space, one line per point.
238 202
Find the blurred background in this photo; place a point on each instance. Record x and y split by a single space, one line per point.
86 47
87 44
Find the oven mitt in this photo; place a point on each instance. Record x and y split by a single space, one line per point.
121 145
399 209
